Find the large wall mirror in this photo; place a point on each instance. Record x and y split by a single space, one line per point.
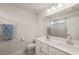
58 27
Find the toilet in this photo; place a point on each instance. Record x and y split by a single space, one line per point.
31 49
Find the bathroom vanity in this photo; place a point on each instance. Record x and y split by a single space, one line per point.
62 36
53 46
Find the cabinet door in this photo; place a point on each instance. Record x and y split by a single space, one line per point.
44 48
55 51
43 53
38 47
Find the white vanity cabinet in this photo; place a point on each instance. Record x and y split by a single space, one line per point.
55 51
44 48
41 48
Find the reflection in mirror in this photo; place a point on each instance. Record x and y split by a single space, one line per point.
58 28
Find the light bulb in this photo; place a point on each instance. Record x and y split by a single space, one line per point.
59 5
48 10
53 8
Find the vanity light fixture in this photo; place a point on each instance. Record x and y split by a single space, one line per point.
54 7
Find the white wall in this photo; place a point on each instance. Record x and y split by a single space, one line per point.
25 27
73 27
42 24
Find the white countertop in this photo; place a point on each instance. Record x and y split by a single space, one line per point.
60 45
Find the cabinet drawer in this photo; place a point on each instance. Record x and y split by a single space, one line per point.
55 51
44 48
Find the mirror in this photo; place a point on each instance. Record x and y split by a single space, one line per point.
58 28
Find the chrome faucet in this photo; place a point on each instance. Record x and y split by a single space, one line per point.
69 39
47 36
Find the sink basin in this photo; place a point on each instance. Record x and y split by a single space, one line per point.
61 41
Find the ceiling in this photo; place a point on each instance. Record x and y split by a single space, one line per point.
33 7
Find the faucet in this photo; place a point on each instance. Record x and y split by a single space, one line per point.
69 39
47 36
